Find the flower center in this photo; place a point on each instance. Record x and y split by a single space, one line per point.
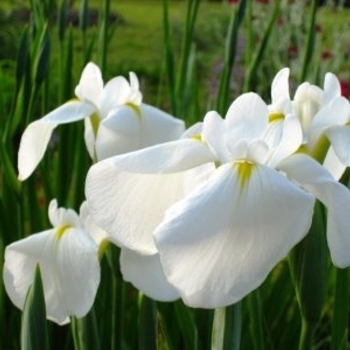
244 170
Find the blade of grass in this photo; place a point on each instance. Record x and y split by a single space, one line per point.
34 329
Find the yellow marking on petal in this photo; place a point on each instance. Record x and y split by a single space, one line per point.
135 108
197 137
61 230
319 151
275 116
244 170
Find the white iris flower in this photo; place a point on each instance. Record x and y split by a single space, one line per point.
69 264
324 116
238 200
116 121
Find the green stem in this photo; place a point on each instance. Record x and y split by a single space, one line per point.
227 328
307 335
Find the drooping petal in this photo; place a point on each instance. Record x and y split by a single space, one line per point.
90 86
247 117
158 126
333 164
145 272
129 206
77 273
21 259
37 135
119 133
335 196
221 241
170 157
339 137
280 86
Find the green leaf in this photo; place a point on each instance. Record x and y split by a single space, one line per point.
34 326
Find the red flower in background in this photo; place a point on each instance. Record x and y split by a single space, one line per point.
318 28
292 51
345 88
326 55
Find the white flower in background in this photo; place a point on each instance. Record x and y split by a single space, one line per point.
116 121
218 241
324 116
69 265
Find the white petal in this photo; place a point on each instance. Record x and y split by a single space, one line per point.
193 131
280 86
37 135
89 137
119 133
332 88
158 126
90 86
339 137
290 139
335 113
214 134
130 206
33 145
78 273
115 93
167 157
221 241
62 216
21 259
333 164
336 198
247 117
97 234
145 272
135 94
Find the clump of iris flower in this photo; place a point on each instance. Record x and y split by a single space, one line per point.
324 116
254 201
116 121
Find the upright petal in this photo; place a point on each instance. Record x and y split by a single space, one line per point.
90 86
335 196
221 241
280 86
37 135
158 126
145 272
332 88
247 117
129 206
